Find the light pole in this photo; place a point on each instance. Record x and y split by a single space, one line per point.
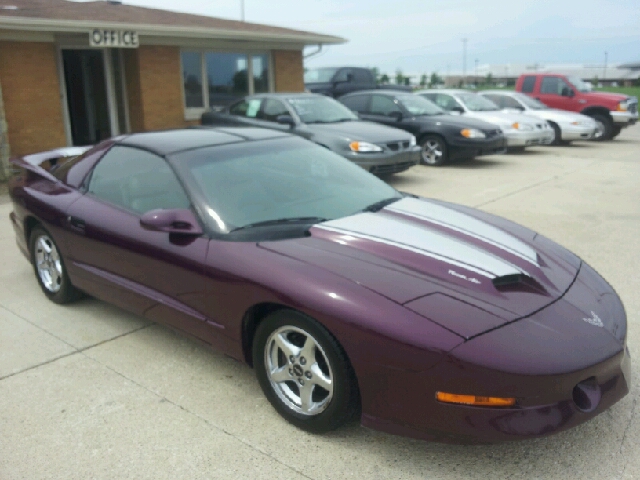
464 61
606 56
476 75
242 10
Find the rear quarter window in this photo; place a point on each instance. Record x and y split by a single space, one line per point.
528 83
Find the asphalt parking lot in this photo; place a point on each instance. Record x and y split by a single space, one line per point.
89 391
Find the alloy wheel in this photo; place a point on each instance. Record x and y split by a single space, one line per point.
298 370
432 152
48 263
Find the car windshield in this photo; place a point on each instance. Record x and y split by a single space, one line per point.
532 103
321 109
278 180
581 86
319 75
477 103
418 105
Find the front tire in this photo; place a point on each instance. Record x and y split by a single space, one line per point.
605 127
433 151
557 137
49 268
303 372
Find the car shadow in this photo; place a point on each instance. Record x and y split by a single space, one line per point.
473 163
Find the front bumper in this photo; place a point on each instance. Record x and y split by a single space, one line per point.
544 361
577 132
624 119
387 162
527 138
475 147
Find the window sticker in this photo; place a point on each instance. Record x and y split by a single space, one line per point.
254 106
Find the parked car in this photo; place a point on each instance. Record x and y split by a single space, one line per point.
338 81
567 126
521 130
441 137
377 149
347 297
612 111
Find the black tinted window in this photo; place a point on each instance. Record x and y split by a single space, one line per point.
361 75
357 103
136 180
528 83
383 105
341 76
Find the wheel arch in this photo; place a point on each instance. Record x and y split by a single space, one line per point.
250 321
30 222
596 110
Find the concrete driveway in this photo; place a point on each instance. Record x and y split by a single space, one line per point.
89 391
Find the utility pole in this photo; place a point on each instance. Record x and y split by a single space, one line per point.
464 61
606 56
475 82
242 10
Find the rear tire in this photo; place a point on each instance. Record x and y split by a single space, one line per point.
434 151
605 127
50 269
304 372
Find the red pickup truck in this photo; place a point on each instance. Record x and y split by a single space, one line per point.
611 111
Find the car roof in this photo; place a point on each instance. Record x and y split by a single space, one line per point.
168 142
388 93
450 91
499 92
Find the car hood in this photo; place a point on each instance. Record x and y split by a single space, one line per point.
359 130
605 97
441 260
561 116
502 118
459 121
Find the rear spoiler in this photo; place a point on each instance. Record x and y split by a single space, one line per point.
52 156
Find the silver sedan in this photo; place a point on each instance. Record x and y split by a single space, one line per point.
568 126
520 130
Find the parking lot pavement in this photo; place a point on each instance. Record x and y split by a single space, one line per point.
89 391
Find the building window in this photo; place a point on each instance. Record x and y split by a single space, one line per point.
213 79
192 79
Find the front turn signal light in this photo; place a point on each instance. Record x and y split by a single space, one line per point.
475 400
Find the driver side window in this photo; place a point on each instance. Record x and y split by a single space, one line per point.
383 105
136 180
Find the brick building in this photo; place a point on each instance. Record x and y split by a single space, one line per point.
75 73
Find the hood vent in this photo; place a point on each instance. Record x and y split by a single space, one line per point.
518 282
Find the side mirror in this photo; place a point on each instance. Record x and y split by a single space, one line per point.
397 115
177 221
458 109
567 92
349 77
286 120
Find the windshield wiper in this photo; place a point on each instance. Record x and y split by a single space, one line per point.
379 205
282 221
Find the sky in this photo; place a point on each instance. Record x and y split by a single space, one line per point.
423 36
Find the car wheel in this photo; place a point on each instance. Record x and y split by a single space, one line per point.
616 131
304 372
434 150
605 127
49 268
557 137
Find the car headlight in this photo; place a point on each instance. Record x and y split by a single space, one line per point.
521 126
364 147
413 142
472 133
622 106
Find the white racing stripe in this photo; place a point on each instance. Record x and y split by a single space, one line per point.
465 224
407 235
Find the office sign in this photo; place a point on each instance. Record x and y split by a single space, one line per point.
113 38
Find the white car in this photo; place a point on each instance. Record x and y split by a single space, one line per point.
568 126
520 130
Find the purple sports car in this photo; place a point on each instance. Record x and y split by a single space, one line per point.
423 318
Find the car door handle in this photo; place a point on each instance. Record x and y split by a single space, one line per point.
76 223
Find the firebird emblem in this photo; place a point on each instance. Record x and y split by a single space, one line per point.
594 320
